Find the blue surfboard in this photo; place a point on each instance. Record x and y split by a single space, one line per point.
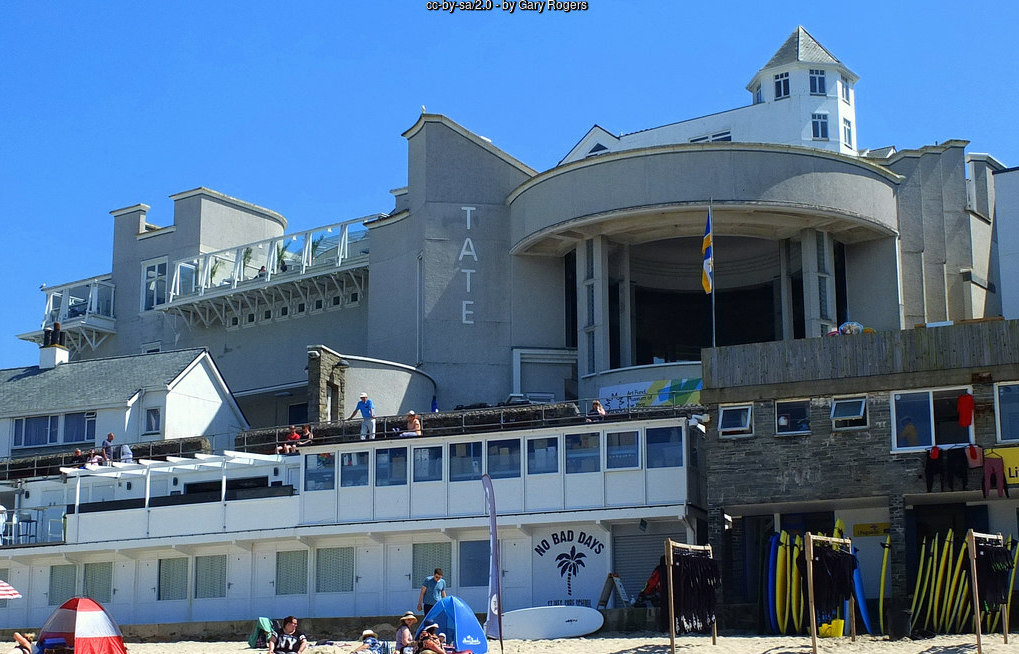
772 560
861 598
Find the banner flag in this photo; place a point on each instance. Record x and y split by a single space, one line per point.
493 624
708 272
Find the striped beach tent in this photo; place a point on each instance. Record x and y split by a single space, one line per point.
8 591
83 624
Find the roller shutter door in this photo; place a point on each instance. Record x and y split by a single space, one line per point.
635 557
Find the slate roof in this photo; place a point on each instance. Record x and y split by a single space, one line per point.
89 383
801 46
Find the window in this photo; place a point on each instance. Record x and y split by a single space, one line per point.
542 456
1007 408
210 576
474 562
819 126
152 348
334 570
391 466
173 579
152 420
845 89
758 95
35 431
817 85
465 461
664 447
849 412
781 86
847 132
97 581
734 421
926 418
353 469
583 453
153 284
292 572
504 459
297 414
61 584
721 136
428 463
79 427
429 556
792 417
320 471
621 450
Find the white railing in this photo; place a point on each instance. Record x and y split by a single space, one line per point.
279 258
78 301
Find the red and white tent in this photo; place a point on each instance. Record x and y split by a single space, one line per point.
84 625
8 591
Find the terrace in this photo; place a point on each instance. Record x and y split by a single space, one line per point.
324 267
84 310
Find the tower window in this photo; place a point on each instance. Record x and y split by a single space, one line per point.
847 132
781 86
845 89
819 126
817 84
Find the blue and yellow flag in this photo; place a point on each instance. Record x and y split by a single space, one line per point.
708 272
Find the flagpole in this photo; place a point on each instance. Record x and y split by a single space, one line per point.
713 289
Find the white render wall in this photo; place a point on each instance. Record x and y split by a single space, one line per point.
1006 219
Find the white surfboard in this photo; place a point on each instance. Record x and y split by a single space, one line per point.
546 622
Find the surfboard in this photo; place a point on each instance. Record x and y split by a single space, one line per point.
861 598
796 585
547 622
920 568
887 545
944 580
782 582
770 595
952 584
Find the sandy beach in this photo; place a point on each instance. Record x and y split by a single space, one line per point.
656 644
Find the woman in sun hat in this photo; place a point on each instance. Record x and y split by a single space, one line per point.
370 642
428 640
405 634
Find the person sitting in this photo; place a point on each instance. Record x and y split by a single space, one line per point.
288 639
79 457
369 642
449 649
597 412
306 435
405 634
126 455
94 458
413 425
428 640
290 442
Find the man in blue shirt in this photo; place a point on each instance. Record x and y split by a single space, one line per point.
367 409
434 588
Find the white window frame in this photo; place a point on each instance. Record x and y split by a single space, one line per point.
758 94
746 427
847 132
845 89
930 402
819 126
53 434
791 432
159 418
844 423
997 412
146 265
781 86
818 82
637 446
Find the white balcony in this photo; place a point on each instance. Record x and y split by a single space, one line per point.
325 267
84 310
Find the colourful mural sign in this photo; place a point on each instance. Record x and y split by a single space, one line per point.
662 392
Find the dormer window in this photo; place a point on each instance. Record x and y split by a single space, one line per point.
597 149
845 89
758 95
817 84
781 86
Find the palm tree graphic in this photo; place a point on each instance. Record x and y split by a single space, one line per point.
569 564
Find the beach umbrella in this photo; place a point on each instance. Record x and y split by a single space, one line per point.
8 591
458 622
83 624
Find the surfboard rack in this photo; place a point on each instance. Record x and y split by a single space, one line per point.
672 549
971 545
847 543
612 583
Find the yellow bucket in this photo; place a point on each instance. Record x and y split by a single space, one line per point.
834 629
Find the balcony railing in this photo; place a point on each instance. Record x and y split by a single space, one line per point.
281 258
78 302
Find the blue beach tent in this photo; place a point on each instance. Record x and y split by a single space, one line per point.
458 622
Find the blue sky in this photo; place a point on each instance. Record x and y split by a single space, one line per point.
299 106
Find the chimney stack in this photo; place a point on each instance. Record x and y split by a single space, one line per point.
53 351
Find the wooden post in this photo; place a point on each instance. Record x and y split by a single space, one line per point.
668 587
810 587
971 546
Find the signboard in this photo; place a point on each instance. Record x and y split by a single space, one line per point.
864 529
662 392
1011 457
569 565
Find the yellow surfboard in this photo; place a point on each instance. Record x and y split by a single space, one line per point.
920 569
796 585
952 585
931 619
782 582
941 610
884 574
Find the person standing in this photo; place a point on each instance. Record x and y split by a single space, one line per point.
288 639
433 589
108 449
367 409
